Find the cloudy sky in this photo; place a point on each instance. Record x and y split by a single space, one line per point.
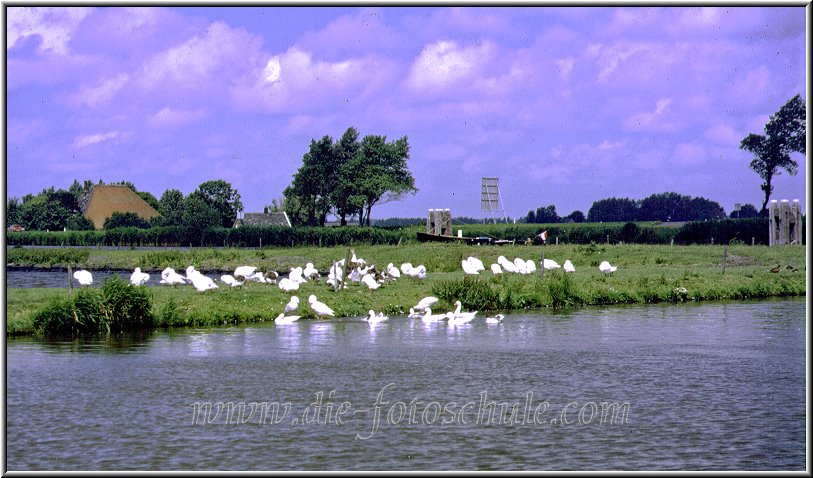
564 105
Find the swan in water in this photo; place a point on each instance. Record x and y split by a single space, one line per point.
320 308
568 266
84 277
286 319
230 281
138 278
374 319
425 303
606 268
460 317
429 317
413 314
292 304
495 320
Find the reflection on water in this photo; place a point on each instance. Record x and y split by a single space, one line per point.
708 386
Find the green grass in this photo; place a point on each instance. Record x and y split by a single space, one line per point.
646 274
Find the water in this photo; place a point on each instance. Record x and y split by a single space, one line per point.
708 386
28 278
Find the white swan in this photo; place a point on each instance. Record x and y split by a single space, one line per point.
288 285
310 272
413 314
201 283
374 319
170 277
244 271
469 268
550 264
496 269
425 303
84 277
320 308
606 268
393 271
506 264
568 266
370 282
495 320
138 278
429 317
292 304
286 319
460 317
230 281
530 266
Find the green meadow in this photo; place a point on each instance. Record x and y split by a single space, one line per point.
646 274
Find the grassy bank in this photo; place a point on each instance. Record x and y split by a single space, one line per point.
646 274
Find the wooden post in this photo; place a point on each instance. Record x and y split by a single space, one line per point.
608 238
542 264
725 253
261 242
70 279
712 241
557 240
672 241
752 241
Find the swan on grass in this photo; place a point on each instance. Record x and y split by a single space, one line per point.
425 303
230 281
320 308
469 268
550 264
568 266
288 285
170 277
244 271
606 268
292 304
370 282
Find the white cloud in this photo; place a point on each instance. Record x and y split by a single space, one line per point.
100 93
54 25
168 117
84 141
445 65
651 121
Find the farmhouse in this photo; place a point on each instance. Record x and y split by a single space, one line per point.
101 201
265 218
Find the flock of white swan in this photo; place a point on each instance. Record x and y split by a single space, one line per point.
360 273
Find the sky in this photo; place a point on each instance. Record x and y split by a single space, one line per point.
565 105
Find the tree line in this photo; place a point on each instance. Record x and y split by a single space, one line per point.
213 204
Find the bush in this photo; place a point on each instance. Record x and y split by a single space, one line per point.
116 307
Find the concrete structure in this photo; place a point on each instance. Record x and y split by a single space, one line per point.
785 222
439 222
100 202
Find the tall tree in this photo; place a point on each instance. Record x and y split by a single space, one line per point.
314 181
613 210
342 195
785 133
379 173
170 206
224 200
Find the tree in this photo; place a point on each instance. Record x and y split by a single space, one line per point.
667 206
40 214
575 216
125 219
78 222
702 209
314 181
746 211
546 215
344 151
220 197
785 133
530 218
170 206
379 173
613 210
13 215
198 215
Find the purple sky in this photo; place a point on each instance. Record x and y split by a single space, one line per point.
565 105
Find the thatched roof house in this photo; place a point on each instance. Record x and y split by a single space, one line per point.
101 201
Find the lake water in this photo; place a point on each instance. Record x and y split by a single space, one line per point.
664 387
